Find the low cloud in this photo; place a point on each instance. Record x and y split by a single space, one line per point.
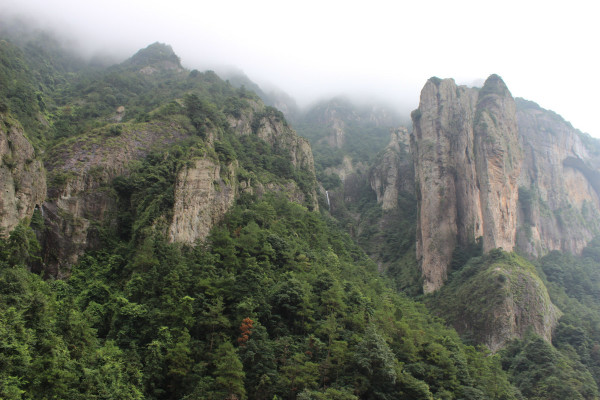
377 50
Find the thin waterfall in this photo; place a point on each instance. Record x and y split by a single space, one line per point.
328 203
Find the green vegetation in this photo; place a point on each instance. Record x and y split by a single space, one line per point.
17 90
541 371
479 294
574 286
567 368
278 302
151 319
362 139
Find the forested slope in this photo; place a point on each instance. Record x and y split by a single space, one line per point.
182 247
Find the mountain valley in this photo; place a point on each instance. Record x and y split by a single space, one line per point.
169 234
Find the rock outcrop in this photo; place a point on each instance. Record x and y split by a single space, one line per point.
393 171
272 128
467 160
203 194
559 183
22 175
80 195
498 163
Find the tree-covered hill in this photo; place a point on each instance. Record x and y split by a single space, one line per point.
277 301
183 250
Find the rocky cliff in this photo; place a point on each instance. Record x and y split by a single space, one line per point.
203 194
467 159
498 163
393 170
510 172
22 175
558 186
80 193
81 196
272 128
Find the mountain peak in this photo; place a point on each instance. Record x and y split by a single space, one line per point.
494 84
156 55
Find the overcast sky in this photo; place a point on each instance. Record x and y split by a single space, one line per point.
546 51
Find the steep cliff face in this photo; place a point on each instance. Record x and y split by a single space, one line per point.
498 163
559 191
467 161
80 194
203 194
272 128
22 176
393 171
442 145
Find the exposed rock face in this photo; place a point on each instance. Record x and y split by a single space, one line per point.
347 169
202 197
333 119
393 172
81 195
559 184
274 131
272 128
467 160
498 163
22 176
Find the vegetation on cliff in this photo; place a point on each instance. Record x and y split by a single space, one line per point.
277 302
283 299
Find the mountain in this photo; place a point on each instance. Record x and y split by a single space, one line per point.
22 178
558 185
485 169
175 220
467 161
81 169
168 234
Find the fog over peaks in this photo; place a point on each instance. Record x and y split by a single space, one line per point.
383 50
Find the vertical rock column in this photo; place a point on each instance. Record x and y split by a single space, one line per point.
498 156
442 148
467 160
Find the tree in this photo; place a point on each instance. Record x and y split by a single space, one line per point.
245 331
229 373
300 373
378 365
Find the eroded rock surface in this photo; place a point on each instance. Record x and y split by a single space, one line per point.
467 160
22 175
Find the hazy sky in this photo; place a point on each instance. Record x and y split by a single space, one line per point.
546 51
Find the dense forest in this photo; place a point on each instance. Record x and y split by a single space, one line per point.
279 301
